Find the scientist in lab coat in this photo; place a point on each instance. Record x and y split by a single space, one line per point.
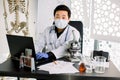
55 39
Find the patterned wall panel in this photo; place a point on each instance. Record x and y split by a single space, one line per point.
105 26
106 20
81 12
99 17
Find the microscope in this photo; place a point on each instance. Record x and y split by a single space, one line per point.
74 50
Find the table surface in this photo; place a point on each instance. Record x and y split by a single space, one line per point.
11 68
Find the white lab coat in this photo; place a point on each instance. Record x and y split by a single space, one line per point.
56 45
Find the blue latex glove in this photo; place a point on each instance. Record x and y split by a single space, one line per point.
41 55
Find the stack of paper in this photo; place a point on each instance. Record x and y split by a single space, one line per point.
59 67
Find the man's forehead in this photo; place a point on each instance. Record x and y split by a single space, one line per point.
61 12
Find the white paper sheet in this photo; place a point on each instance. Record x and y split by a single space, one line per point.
59 67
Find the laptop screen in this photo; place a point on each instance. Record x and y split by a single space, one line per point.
19 44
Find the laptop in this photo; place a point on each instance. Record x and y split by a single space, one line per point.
18 44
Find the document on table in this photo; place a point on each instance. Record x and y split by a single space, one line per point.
59 67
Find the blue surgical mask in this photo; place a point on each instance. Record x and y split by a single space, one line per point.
61 23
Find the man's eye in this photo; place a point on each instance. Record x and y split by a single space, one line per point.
57 17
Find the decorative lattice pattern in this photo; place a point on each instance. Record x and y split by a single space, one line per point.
105 15
81 12
106 20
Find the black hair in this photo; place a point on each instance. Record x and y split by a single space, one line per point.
63 7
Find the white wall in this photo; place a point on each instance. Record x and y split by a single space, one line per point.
3 43
4 50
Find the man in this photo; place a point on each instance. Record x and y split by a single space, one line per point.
57 37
